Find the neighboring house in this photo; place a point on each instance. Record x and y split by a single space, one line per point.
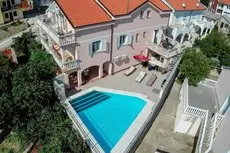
224 24
211 17
1 16
221 7
11 10
201 110
101 37
187 22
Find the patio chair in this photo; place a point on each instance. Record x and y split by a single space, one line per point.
151 80
130 71
140 77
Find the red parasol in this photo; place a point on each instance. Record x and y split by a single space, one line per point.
141 58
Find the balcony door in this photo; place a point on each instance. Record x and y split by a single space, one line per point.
8 4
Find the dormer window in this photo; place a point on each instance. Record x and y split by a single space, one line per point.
142 15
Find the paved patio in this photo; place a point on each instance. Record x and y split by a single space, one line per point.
161 135
119 81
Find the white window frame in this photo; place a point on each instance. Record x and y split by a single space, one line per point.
125 40
137 37
142 15
149 12
144 34
102 47
99 45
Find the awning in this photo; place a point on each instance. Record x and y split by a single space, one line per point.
141 58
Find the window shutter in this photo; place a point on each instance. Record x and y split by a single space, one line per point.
91 50
130 39
118 42
103 45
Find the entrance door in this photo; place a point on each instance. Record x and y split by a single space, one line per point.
11 16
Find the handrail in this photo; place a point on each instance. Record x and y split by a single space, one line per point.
203 131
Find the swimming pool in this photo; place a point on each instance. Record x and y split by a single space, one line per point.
107 115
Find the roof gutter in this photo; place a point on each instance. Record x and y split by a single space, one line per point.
102 6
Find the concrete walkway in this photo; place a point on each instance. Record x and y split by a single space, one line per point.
161 135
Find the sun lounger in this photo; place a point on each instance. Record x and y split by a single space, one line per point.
130 71
140 77
151 80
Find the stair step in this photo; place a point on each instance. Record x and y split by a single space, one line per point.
85 99
93 102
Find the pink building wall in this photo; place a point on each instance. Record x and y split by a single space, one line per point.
133 26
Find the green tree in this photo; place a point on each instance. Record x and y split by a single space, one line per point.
215 45
21 46
195 66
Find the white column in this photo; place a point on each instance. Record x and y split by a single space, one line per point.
100 72
62 55
79 78
110 68
182 38
66 78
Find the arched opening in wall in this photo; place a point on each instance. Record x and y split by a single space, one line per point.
208 31
185 37
90 74
197 30
106 68
73 79
179 37
204 31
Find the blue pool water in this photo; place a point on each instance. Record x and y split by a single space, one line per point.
107 115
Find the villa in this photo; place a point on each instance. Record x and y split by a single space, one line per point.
202 112
221 7
101 38
98 44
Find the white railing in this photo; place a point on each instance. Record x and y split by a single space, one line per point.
61 39
208 82
190 110
71 65
202 133
219 119
163 51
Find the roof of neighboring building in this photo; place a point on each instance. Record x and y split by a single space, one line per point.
82 13
123 7
227 2
221 143
222 86
189 5
203 97
227 18
211 15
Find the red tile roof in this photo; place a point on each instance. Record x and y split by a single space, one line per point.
189 5
161 5
83 12
123 7
227 2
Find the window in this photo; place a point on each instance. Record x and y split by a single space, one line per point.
226 25
137 37
145 34
96 46
221 25
123 40
142 15
6 15
4 4
12 2
148 14
15 13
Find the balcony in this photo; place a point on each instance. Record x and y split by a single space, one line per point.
164 50
153 61
55 32
65 66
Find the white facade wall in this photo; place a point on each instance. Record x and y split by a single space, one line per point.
224 8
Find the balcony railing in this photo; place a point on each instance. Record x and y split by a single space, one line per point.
164 51
71 65
7 8
55 32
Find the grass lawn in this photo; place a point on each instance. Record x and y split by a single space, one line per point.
13 144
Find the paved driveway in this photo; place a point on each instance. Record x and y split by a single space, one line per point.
161 134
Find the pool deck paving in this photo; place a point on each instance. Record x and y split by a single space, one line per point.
161 135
